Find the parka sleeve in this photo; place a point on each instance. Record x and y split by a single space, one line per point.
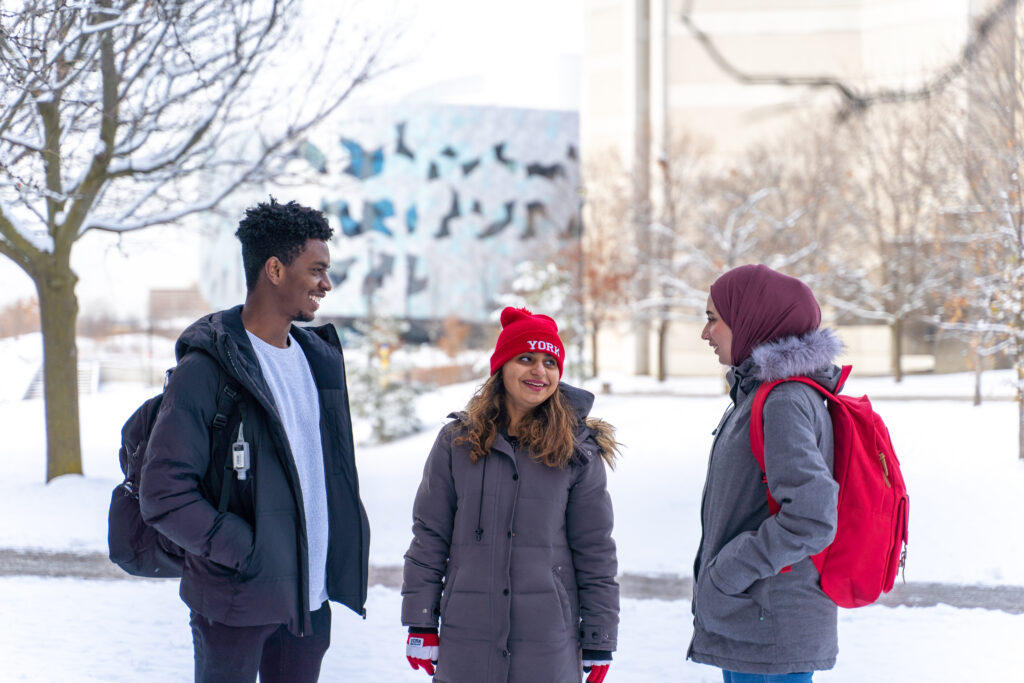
798 451
433 522
588 523
177 459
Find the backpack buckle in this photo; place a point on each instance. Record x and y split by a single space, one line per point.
221 419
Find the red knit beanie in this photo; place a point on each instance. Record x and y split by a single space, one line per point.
524 332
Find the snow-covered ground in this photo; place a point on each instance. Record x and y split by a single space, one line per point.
960 463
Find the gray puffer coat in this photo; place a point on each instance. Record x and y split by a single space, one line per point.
515 558
748 616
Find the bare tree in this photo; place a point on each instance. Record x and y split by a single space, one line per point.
819 179
118 115
680 166
19 317
740 213
989 207
710 217
608 260
966 315
892 266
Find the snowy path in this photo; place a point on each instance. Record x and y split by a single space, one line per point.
130 631
1009 599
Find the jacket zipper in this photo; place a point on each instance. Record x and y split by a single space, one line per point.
479 531
704 494
304 610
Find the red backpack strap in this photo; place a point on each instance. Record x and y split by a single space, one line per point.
843 375
757 428
757 420
757 435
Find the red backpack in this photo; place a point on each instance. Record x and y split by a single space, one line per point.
871 534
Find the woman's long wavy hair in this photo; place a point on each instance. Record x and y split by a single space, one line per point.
548 431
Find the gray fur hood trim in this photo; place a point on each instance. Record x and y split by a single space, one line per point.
797 355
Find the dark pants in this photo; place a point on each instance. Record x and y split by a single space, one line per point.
234 654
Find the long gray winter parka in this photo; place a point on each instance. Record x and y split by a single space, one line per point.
749 617
514 557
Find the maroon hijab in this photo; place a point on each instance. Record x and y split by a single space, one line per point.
761 305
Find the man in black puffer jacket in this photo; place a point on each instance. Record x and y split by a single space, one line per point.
258 577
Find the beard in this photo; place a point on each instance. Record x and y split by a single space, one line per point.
303 317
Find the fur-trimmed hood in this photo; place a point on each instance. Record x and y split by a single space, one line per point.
602 432
800 355
812 354
604 436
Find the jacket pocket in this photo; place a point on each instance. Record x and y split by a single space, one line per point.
251 567
737 617
567 597
463 612
447 590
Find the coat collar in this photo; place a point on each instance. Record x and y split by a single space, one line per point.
811 354
579 400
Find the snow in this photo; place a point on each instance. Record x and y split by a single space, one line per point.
960 463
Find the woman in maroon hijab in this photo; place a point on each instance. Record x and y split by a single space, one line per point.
759 612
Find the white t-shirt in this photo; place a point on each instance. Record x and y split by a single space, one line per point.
291 382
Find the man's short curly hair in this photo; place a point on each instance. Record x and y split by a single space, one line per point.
275 229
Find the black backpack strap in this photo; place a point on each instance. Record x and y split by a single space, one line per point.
226 400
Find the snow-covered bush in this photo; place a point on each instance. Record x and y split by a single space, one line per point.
379 390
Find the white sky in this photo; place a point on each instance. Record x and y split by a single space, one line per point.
484 52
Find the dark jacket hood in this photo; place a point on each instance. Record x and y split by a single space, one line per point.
211 333
581 400
221 335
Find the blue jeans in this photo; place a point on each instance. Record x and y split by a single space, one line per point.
735 677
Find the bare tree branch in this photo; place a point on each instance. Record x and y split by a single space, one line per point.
117 115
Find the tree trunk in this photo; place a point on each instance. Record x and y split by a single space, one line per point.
1018 364
1020 407
662 350
896 349
979 368
58 312
642 341
593 349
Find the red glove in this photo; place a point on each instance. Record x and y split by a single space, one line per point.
421 651
596 663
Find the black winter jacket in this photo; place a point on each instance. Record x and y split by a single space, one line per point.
248 566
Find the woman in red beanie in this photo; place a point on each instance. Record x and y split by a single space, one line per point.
759 611
512 556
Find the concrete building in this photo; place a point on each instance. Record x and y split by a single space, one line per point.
433 208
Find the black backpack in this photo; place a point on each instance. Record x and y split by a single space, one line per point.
136 547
